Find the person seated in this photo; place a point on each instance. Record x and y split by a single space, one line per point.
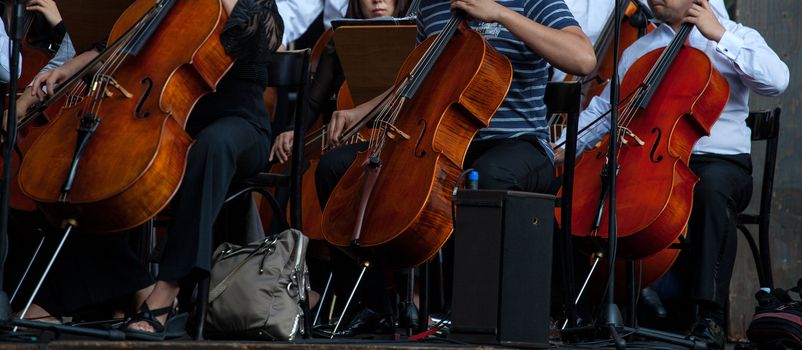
513 152
721 160
329 76
231 130
95 275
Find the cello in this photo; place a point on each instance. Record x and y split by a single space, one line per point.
672 97
127 158
393 202
30 127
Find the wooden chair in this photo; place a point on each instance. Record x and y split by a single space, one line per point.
765 126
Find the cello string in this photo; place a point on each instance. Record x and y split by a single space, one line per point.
118 56
659 71
145 23
430 52
121 54
95 90
429 59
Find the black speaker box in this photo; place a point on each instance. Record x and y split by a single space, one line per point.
502 267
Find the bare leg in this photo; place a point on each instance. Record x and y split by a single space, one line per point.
36 312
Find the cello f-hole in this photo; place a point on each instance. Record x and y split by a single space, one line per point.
654 146
149 86
420 153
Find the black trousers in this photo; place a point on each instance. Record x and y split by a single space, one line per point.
513 164
226 150
704 267
510 164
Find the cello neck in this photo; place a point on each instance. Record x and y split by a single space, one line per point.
424 66
658 72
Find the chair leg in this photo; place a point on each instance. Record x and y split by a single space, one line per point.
201 307
423 311
755 255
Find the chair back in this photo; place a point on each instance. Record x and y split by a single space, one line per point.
290 70
765 126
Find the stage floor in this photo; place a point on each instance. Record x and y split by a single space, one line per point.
315 344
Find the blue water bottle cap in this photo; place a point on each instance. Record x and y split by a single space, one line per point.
473 180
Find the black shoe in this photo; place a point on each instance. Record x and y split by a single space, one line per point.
710 332
366 321
652 301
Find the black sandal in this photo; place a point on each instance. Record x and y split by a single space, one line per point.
173 327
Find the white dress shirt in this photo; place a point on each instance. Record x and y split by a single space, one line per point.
298 15
592 15
5 49
741 56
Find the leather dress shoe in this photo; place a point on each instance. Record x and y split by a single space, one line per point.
366 321
651 300
710 332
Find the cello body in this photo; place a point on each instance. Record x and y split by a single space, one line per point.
406 215
654 183
134 161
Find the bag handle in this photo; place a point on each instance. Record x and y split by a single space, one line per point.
226 281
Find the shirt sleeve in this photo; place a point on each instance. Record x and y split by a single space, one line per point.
253 30
65 52
5 46
758 66
334 9
298 15
550 13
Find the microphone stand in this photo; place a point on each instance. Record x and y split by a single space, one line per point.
15 35
609 321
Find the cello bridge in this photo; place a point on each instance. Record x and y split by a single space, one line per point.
393 132
626 132
113 83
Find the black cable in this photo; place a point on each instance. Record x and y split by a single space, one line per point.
457 185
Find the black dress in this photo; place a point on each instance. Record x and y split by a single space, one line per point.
231 129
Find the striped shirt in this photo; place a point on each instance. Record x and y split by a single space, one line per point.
523 112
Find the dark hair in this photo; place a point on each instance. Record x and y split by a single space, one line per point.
354 10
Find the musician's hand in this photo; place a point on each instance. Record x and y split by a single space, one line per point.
484 10
282 147
340 121
49 80
559 153
25 101
47 8
701 15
